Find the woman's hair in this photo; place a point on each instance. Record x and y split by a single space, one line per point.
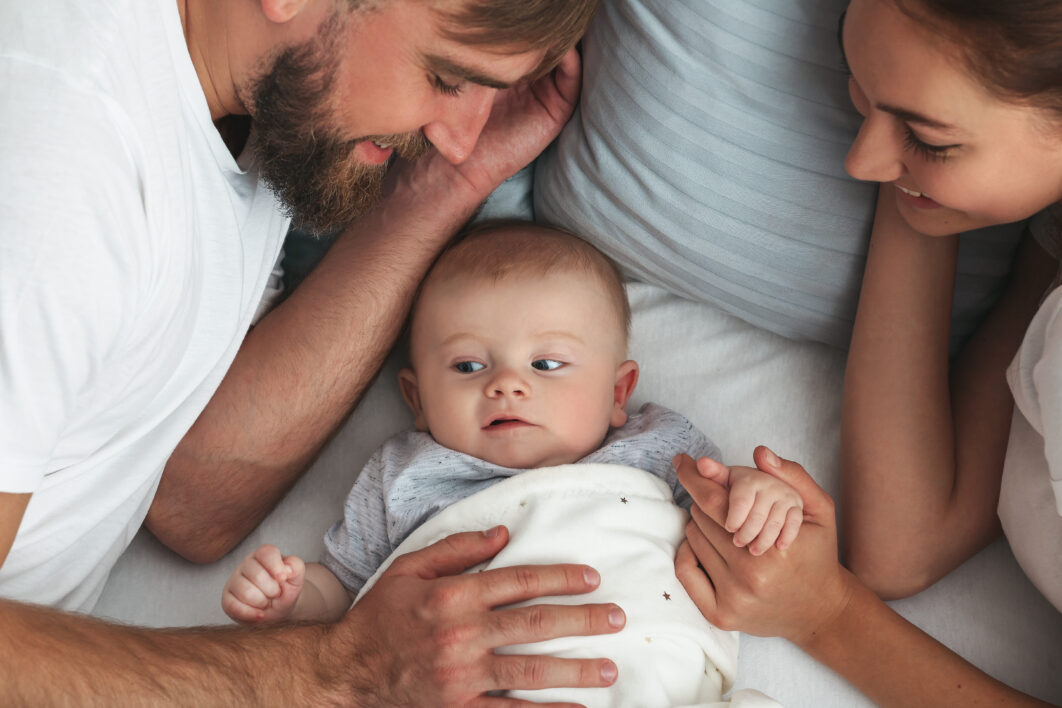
1014 47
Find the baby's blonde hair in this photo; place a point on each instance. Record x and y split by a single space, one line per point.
499 249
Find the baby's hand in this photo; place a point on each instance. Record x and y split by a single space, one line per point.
264 587
764 510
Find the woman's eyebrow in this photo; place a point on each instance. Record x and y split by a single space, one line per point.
901 113
916 118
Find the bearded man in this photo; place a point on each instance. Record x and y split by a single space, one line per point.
153 154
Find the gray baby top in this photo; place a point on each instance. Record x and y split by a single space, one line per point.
411 478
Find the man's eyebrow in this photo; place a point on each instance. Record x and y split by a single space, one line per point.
445 66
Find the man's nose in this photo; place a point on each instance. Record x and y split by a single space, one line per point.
877 153
455 132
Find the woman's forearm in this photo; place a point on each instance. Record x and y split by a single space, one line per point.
923 444
896 664
897 431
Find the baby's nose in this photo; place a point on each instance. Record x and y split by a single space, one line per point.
507 383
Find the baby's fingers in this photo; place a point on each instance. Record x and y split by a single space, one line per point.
793 519
270 558
247 592
771 530
296 570
738 514
239 610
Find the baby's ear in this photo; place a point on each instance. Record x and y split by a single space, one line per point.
626 380
407 382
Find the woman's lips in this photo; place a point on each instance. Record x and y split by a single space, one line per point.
916 199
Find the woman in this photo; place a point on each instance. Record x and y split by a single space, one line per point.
962 103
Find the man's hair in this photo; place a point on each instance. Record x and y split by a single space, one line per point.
528 25
500 249
518 25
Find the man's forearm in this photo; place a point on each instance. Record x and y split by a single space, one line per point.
52 658
302 369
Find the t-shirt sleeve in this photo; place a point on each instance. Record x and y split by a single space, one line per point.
1046 228
1035 379
358 544
68 286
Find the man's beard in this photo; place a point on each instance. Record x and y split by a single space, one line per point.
298 150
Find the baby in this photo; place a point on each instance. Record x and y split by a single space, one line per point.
518 349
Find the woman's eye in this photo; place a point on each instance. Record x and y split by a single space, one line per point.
547 364
468 367
934 153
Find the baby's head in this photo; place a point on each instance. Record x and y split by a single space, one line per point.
518 347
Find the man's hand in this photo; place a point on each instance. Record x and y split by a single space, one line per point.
788 593
424 636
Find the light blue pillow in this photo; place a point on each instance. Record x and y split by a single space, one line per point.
707 156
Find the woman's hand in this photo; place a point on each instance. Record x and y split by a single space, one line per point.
789 593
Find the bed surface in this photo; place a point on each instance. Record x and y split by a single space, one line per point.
742 386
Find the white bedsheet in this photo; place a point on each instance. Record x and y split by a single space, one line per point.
742 386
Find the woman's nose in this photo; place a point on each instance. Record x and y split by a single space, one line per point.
877 153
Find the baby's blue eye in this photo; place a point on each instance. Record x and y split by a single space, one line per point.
547 364
468 367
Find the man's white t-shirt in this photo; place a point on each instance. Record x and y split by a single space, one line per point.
134 250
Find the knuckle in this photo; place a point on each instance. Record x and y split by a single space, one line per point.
443 596
526 579
539 620
528 671
444 673
448 635
758 581
724 619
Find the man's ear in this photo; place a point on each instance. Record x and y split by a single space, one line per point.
626 380
407 382
281 11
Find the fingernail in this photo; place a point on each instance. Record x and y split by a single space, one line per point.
616 617
609 672
772 459
591 576
491 533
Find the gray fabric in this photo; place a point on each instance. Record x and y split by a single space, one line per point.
410 478
707 156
